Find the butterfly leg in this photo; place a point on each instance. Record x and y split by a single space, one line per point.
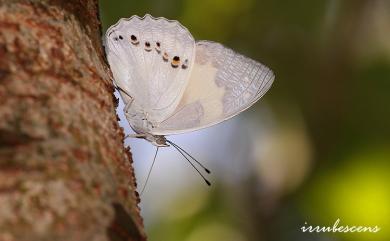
118 88
109 73
127 106
135 136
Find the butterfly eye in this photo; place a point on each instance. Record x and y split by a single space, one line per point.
175 62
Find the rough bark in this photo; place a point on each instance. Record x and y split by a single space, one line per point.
64 173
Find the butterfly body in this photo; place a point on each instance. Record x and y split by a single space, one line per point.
142 127
171 84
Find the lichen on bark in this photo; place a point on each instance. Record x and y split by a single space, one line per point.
64 173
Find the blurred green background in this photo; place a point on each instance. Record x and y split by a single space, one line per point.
315 149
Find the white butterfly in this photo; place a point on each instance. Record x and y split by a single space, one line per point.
171 84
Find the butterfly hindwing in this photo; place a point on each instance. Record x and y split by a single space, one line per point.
222 84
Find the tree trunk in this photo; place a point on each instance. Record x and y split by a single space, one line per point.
64 173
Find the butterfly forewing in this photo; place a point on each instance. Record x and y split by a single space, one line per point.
222 84
146 57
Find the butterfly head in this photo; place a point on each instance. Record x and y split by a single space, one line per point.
159 141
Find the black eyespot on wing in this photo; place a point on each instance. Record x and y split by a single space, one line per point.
147 46
157 47
185 64
120 37
134 40
116 38
175 62
165 57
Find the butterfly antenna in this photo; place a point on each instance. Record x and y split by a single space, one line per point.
193 158
150 171
189 161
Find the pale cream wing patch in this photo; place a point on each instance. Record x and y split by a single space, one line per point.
222 84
